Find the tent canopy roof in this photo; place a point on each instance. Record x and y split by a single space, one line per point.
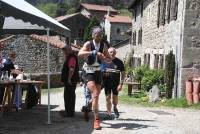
20 9
11 25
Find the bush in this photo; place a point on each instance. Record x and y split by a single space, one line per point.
139 73
152 77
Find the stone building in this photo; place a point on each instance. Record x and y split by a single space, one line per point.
77 23
160 26
31 54
115 26
123 49
98 11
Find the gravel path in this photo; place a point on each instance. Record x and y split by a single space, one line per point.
133 120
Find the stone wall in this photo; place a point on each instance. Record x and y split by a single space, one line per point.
191 41
32 56
157 40
123 51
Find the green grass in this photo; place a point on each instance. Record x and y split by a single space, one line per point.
141 99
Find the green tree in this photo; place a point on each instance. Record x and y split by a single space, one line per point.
48 8
88 34
169 74
71 11
62 8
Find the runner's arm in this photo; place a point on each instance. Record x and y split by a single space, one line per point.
85 50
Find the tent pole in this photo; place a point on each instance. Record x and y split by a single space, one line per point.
48 79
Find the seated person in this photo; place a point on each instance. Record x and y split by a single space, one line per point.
8 65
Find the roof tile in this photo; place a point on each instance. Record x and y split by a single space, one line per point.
98 7
119 19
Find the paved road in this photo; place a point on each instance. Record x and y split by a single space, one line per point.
133 120
145 120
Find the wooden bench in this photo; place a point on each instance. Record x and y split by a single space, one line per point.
131 85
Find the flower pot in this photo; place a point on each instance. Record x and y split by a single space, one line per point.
189 98
189 91
196 91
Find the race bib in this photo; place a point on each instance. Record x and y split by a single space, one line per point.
89 69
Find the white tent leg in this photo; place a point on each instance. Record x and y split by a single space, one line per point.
48 79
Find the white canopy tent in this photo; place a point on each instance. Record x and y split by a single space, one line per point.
21 17
10 25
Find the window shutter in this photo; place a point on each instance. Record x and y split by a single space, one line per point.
175 10
149 59
161 61
135 13
139 62
134 39
145 59
158 15
142 6
140 36
168 10
163 11
172 10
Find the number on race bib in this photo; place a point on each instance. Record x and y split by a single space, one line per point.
90 70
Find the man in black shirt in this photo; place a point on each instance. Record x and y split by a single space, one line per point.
114 74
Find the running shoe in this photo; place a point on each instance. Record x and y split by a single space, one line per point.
116 112
97 124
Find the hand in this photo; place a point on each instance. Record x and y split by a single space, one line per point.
119 88
100 55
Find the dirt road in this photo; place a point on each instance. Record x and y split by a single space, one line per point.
133 120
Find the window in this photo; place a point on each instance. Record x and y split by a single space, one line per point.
158 15
168 10
161 61
118 30
172 10
140 37
135 13
161 12
175 10
134 38
156 61
147 59
142 6
80 33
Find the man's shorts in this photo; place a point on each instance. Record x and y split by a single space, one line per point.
96 77
111 83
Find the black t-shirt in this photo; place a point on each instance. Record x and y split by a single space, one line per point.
119 65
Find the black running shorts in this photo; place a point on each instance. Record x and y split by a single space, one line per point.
96 77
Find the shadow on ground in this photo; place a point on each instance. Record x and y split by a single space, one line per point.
34 121
126 125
